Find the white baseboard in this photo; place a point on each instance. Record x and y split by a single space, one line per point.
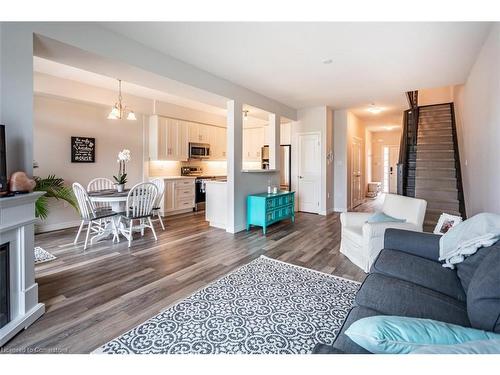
336 209
42 228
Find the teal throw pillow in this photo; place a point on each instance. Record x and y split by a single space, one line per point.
401 335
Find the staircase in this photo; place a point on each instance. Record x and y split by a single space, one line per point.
437 172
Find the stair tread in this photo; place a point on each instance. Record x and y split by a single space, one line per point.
436 178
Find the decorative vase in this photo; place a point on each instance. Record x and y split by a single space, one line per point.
120 188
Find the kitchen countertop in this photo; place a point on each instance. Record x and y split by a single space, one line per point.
181 177
215 182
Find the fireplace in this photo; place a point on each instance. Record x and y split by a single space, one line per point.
4 285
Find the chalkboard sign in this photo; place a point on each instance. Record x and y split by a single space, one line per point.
82 150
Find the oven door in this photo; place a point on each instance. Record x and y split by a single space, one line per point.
199 151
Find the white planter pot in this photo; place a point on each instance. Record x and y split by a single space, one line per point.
120 188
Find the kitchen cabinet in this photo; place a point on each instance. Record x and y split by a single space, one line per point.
199 133
167 139
218 143
253 140
179 196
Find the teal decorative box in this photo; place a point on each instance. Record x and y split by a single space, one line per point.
265 209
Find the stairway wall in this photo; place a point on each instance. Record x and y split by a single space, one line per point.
477 104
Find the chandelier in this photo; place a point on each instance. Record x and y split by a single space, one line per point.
120 111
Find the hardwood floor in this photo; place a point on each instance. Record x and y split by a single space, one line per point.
92 297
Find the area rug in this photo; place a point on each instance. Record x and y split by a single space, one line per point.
42 255
264 307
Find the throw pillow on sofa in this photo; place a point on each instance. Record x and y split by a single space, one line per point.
469 347
380 217
402 335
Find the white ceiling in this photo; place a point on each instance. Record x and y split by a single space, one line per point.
372 62
56 69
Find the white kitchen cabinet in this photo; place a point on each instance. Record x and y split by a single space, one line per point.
253 140
218 143
179 196
167 139
198 133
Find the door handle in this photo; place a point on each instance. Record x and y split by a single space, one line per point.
301 177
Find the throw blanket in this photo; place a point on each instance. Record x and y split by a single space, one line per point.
465 238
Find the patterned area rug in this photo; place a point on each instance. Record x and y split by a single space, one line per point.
42 255
265 307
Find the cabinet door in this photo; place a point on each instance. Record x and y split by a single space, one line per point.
182 140
203 133
169 200
193 133
246 144
222 137
171 138
157 138
214 143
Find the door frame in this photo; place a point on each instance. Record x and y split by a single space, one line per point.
361 188
395 171
298 135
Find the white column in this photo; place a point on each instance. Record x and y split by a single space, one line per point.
16 95
274 141
234 163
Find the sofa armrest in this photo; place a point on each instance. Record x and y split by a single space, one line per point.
354 219
372 230
425 245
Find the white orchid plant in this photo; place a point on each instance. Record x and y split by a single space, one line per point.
124 157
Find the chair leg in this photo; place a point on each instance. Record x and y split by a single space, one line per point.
142 227
79 231
152 228
116 235
87 236
131 223
161 220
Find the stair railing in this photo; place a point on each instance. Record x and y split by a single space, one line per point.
408 139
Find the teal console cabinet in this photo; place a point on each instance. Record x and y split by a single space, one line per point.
265 209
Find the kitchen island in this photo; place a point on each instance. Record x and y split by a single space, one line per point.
216 203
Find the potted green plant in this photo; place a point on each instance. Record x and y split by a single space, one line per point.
54 188
121 179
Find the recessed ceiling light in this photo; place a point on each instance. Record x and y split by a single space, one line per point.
373 109
327 61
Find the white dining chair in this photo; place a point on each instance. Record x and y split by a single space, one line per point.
101 183
140 202
89 215
160 185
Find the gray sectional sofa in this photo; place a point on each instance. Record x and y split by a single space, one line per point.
408 280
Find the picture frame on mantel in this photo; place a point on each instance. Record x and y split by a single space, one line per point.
83 149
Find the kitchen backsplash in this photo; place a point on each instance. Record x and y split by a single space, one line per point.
173 168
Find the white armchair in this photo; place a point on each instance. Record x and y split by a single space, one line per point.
361 242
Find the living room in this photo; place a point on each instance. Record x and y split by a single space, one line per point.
342 211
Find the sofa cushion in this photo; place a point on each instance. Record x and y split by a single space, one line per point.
326 349
483 296
344 343
467 268
392 296
420 271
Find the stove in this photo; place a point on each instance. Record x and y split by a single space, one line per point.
199 184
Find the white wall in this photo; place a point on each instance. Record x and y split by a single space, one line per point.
479 134
340 124
56 120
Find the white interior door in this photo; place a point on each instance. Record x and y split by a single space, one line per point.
356 188
393 175
309 178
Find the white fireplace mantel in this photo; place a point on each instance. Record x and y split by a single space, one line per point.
17 218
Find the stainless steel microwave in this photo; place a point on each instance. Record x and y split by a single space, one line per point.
199 150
